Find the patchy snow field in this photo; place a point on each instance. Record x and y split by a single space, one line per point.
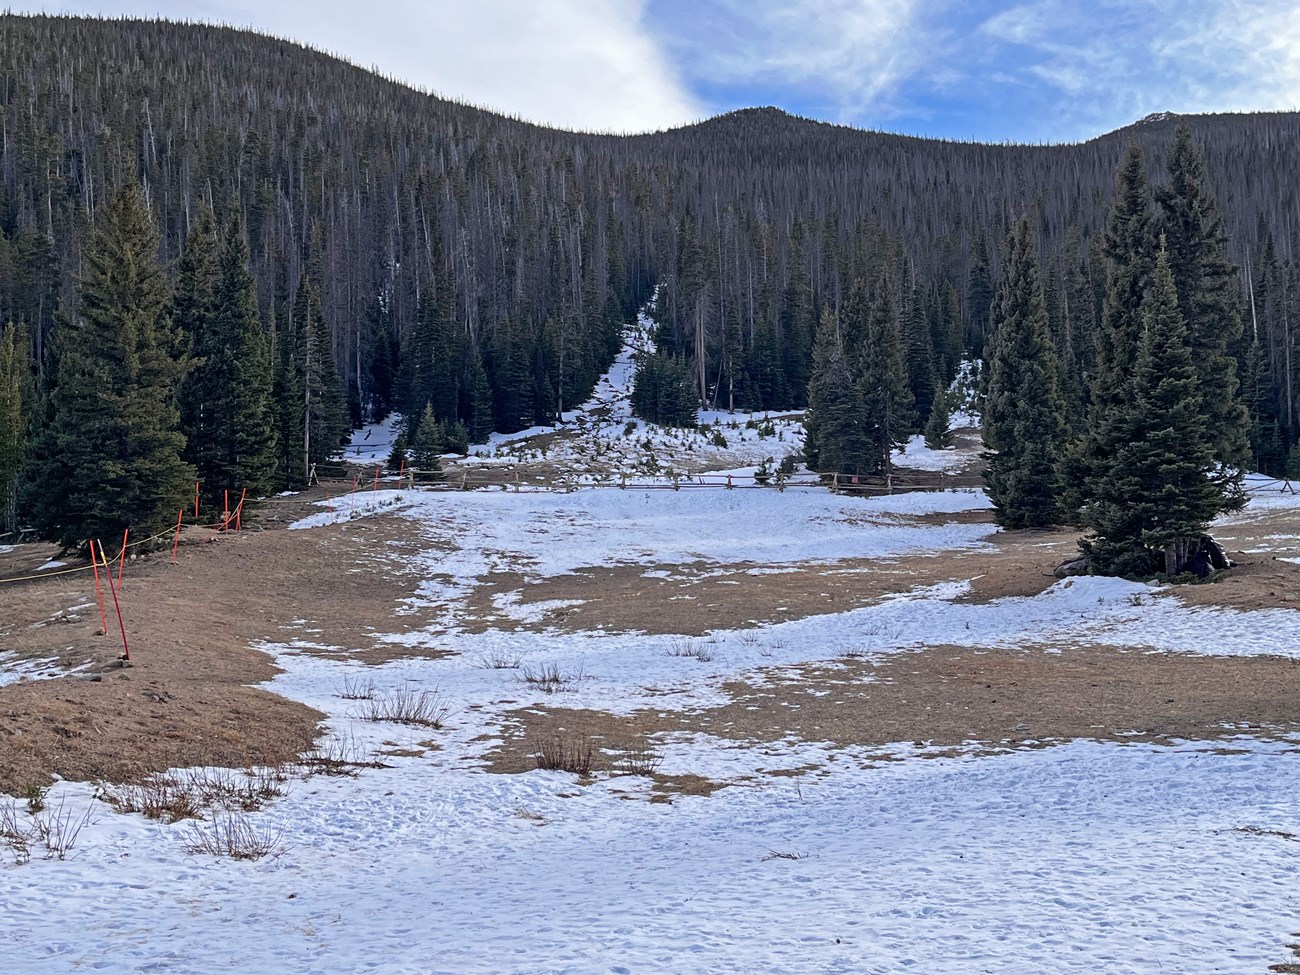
1083 857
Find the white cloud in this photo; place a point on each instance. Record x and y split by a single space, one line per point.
1116 61
855 52
584 64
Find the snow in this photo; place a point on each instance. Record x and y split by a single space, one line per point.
920 457
373 443
1078 859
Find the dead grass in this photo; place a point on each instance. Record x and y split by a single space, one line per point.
551 678
234 836
560 753
406 705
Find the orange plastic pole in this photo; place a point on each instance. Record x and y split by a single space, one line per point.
376 491
196 502
126 650
225 521
175 544
239 511
99 593
121 559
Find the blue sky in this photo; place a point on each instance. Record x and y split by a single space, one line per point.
1041 71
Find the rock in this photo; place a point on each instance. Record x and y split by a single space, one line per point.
1073 567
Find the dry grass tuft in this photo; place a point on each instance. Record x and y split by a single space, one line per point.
232 835
406 705
556 752
550 678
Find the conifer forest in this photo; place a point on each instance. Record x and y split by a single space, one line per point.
220 252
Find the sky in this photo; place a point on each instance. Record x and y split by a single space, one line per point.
1042 71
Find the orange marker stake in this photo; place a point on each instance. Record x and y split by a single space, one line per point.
179 515
225 521
126 650
196 502
376 479
99 593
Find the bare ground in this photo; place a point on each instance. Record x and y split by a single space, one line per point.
950 697
186 699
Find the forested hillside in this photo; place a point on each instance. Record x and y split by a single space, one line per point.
410 251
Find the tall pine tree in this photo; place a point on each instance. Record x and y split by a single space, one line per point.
15 396
111 453
1024 423
834 424
248 452
1150 513
1204 280
889 412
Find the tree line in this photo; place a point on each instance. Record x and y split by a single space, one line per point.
406 252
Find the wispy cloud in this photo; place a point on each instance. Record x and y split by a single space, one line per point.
849 56
584 65
1110 62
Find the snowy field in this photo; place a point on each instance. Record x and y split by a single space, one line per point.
1081 858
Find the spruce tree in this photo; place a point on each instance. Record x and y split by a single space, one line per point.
249 456
14 393
888 410
1149 515
1205 282
1024 424
325 421
480 402
110 457
938 428
287 397
426 447
192 307
834 423
1128 247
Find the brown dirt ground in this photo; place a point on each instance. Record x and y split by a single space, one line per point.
947 697
187 699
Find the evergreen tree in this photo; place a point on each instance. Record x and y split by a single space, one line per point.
919 355
1024 425
191 313
110 458
1128 246
232 443
938 428
397 457
324 413
426 447
1150 513
15 392
288 397
834 424
889 413
664 391
480 402
249 455
1205 282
